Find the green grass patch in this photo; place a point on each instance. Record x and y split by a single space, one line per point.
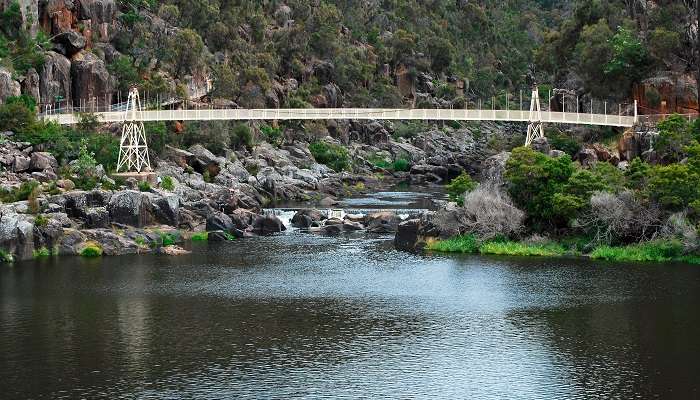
92 250
41 252
200 237
522 249
457 244
659 251
6 257
168 183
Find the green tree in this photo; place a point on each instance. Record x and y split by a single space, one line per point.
459 186
674 136
187 51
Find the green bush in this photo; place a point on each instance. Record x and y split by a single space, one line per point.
457 244
200 237
402 165
144 186
21 193
6 257
272 134
41 220
41 252
167 183
241 137
91 250
459 186
334 156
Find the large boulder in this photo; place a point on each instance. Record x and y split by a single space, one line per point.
41 161
8 86
69 43
55 79
305 218
382 222
30 85
97 218
219 222
267 225
166 210
16 235
131 208
92 83
407 235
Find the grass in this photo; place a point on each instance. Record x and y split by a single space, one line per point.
522 249
41 252
6 257
659 251
168 183
91 250
457 244
200 237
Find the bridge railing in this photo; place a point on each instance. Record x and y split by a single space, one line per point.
203 114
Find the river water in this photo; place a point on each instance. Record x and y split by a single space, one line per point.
306 316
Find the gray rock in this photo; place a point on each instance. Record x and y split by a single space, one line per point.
8 86
92 83
16 235
383 222
55 79
41 161
70 42
21 163
219 222
267 225
130 208
218 236
97 218
332 229
30 85
166 210
407 235
541 144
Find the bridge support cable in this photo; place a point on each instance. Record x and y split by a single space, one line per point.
133 148
534 129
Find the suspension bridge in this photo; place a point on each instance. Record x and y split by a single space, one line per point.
134 149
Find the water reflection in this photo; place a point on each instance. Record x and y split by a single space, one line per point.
308 316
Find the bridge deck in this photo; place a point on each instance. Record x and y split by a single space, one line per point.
353 113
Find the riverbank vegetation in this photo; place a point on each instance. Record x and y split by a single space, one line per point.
644 212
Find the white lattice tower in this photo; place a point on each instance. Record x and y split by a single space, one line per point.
133 149
534 128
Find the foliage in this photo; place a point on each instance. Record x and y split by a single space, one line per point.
272 134
533 179
144 186
489 213
41 220
673 186
522 249
459 186
334 156
674 136
21 193
200 237
457 244
91 250
657 251
402 165
168 183
563 142
6 257
241 137
167 239
85 164
41 252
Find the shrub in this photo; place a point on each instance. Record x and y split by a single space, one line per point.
272 134
457 244
41 220
91 250
167 183
334 156
19 194
200 237
41 252
241 136
6 257
167 239
459 186
402 165
620 217
144 186
490 213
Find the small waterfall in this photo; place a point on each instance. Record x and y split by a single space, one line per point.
285 215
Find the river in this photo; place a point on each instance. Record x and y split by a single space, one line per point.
306 316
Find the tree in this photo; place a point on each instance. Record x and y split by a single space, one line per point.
187 50
593 52
441 53
674 136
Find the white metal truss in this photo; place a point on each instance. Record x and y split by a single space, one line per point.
534 129
133 149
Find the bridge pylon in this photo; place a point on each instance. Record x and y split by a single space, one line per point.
133 148
534 129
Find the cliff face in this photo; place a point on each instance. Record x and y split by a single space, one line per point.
668 93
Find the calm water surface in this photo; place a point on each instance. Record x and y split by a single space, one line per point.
303 316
